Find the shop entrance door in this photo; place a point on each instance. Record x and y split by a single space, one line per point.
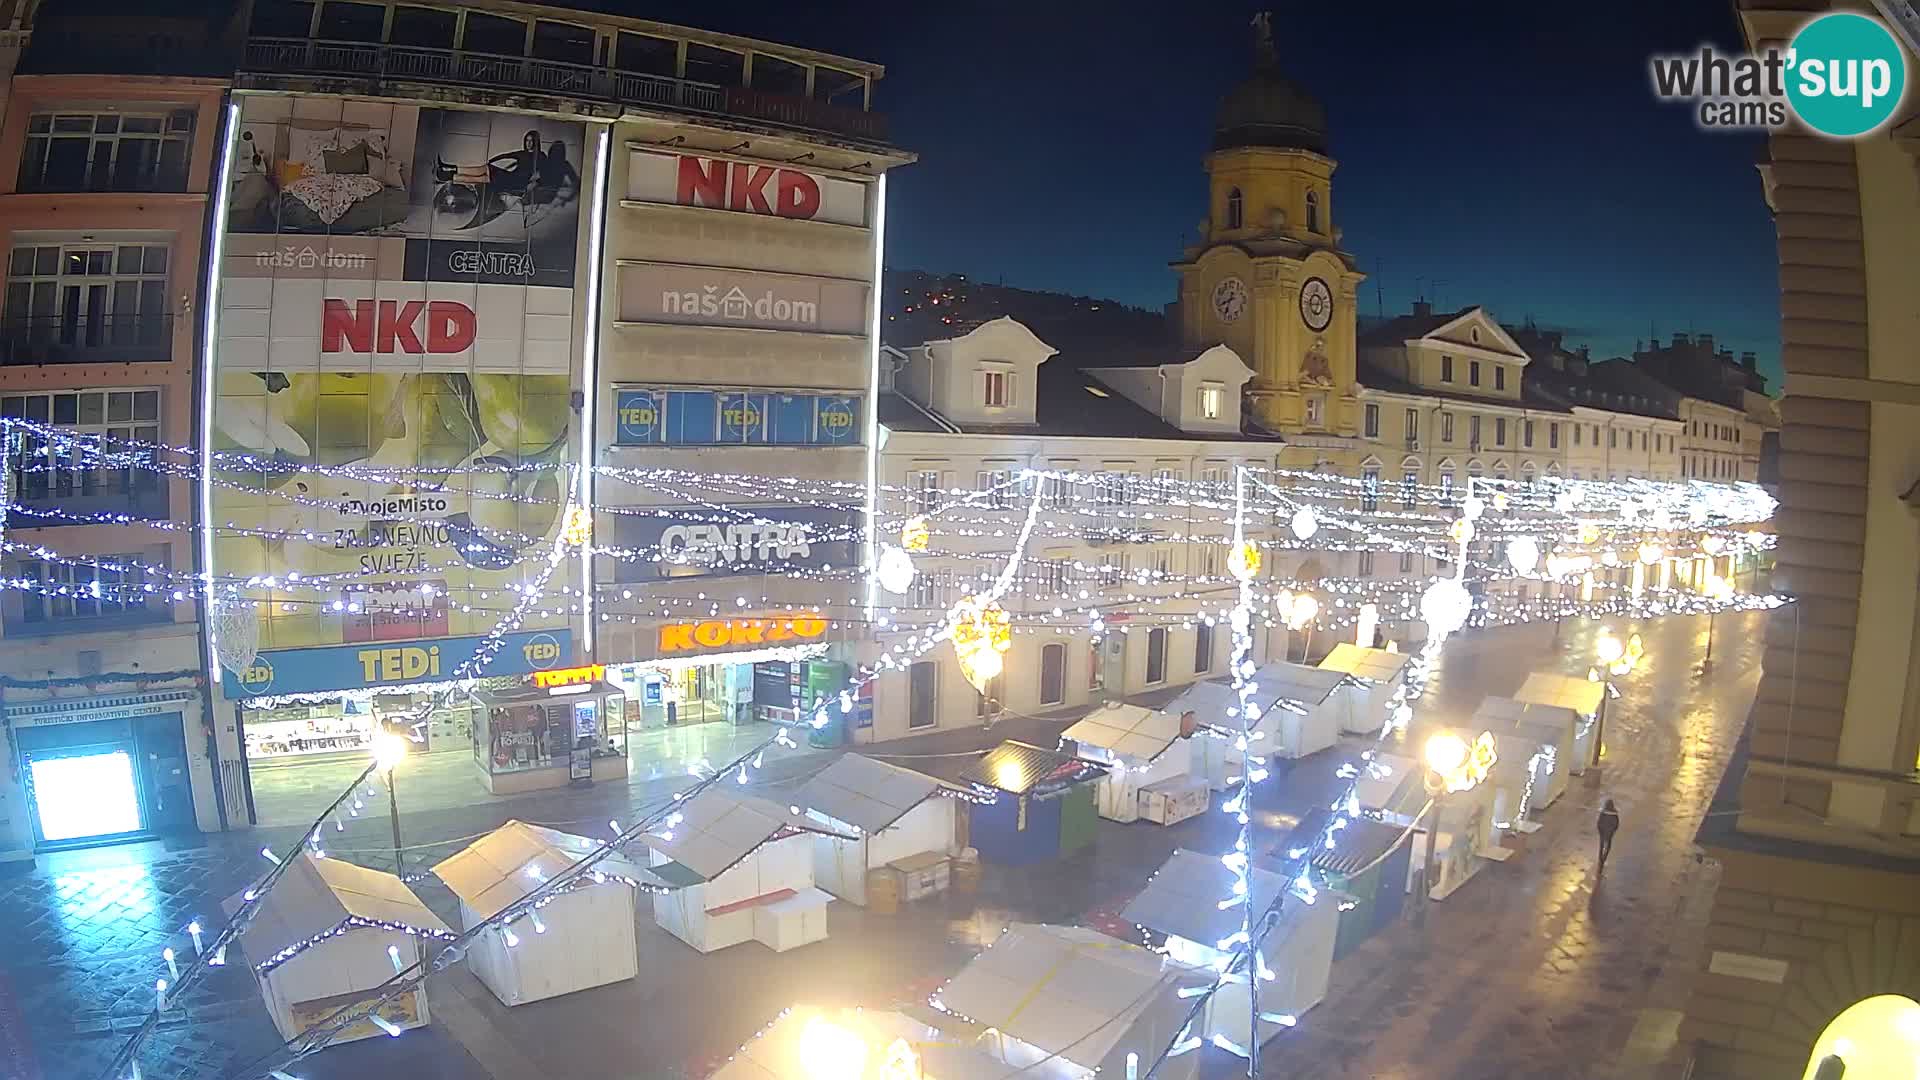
85 793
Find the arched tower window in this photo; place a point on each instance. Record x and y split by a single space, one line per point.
1236 209
1313 211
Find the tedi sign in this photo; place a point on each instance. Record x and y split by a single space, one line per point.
387 326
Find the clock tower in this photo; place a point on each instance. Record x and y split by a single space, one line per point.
1268 278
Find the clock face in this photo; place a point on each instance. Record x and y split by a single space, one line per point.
1230 299
1316 304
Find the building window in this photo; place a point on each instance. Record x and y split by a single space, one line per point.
1473 373
1372 420
1446 427
1446 482
1553 436
1499 377
1053 674
1236 209
990 698
1499 431
1053 577
1370 488
997 389
1613 438
1366 562
1156 656
998 486
923 684
1406 562
1446 369
1409 489
72 475
1473 432
1206 560
95 589
928 591
1316 410
1210 396
1526 433
1313 211
139 151
1203 648
1576 434
88 302
1113 568
923 488
1413 428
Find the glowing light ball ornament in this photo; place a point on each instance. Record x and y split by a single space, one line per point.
1301 610
895 572
828 1051
982 634
1473 507
1445 606
914 534
578 529
1651 553
1589 532
1523 554
1366 625
1244 562
1461 530
1303 524
1713 544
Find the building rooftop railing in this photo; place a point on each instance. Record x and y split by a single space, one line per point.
403 63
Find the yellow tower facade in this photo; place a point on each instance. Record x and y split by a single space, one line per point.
1268 278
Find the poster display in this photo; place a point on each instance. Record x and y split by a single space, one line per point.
397 295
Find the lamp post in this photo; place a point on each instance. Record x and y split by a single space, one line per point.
389 749
1445 756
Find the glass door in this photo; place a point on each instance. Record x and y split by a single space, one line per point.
84 793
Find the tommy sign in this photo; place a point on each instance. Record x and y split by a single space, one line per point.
703 296
745 187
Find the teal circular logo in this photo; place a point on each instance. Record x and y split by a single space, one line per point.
1846 74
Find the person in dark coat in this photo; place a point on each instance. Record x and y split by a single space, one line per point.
1608 823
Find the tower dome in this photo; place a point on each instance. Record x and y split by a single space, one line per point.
1267 108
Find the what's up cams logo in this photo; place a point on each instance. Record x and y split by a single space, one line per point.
1843 75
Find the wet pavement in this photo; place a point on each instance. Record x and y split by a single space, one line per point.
1529 970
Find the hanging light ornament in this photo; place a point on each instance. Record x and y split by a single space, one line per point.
1566 499
914 534
1523 554
1301 610
1500 500
1445 606
1651 553
1473 507
1713 544
1461 530
578 529
895 572
1244 562
1303 524
1589 532
982 634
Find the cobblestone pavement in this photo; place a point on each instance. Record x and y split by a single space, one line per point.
1529 970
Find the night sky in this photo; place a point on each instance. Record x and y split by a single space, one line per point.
1505 154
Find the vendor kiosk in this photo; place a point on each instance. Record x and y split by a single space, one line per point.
326 936
1067 1002
1468 839
1368 864
806 1043
740 869
568 727
1379 676
1390 788
896 816
582 937
1035 804
1182 901
1299 713
1587 698
1542 739
1213 707
1151 765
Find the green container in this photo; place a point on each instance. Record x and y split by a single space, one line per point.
824 681
1078 819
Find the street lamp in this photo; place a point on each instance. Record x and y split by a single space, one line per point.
1445 755
1720 591
389 750
1300 612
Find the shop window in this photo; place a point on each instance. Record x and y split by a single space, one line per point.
1203 648
722 67
1156 656
423 28
923 683
494 34
1053 674
117 151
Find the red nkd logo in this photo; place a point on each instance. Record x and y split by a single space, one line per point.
736 185
390 326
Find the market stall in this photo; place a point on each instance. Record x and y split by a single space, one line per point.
740 869
567 727
1211 706
583 937
806 1043
1587 698
1182 901
1039 805
1369 864
896 816
1467 818
1299 713
1151 765
1538 741
1391 788
327 934
1378 676
1066 1003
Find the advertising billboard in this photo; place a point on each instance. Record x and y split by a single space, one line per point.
760 540
671 417
713 296
397 334
745 187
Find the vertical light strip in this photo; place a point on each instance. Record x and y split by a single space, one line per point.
872 551
209 343
590 375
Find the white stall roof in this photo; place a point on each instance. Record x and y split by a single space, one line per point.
316 895
1183 897
1284 681
1076 993
1207 701
718 828
1576 692
1498 714
513 860
867 793
1389 782
1130 731
776 1053
1376 665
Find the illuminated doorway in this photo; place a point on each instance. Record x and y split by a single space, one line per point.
84 793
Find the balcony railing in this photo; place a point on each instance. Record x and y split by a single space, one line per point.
348 59
161 178
86 339
71 496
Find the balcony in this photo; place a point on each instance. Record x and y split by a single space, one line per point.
87 339
403 63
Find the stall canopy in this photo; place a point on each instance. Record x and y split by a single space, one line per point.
1296 716
505 865
1538 726
858 1044
1183 898
1373 665
1207 701
1131 732
1586 697
1076 994
1391 785
317 896
1377 675
718 828
865 793
1019 768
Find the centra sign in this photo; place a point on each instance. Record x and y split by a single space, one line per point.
737 633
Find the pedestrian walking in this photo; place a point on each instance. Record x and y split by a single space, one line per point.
1608 823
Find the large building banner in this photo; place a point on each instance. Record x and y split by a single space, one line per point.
397 297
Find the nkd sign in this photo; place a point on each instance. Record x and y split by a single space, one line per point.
388 326
703 296
745 187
